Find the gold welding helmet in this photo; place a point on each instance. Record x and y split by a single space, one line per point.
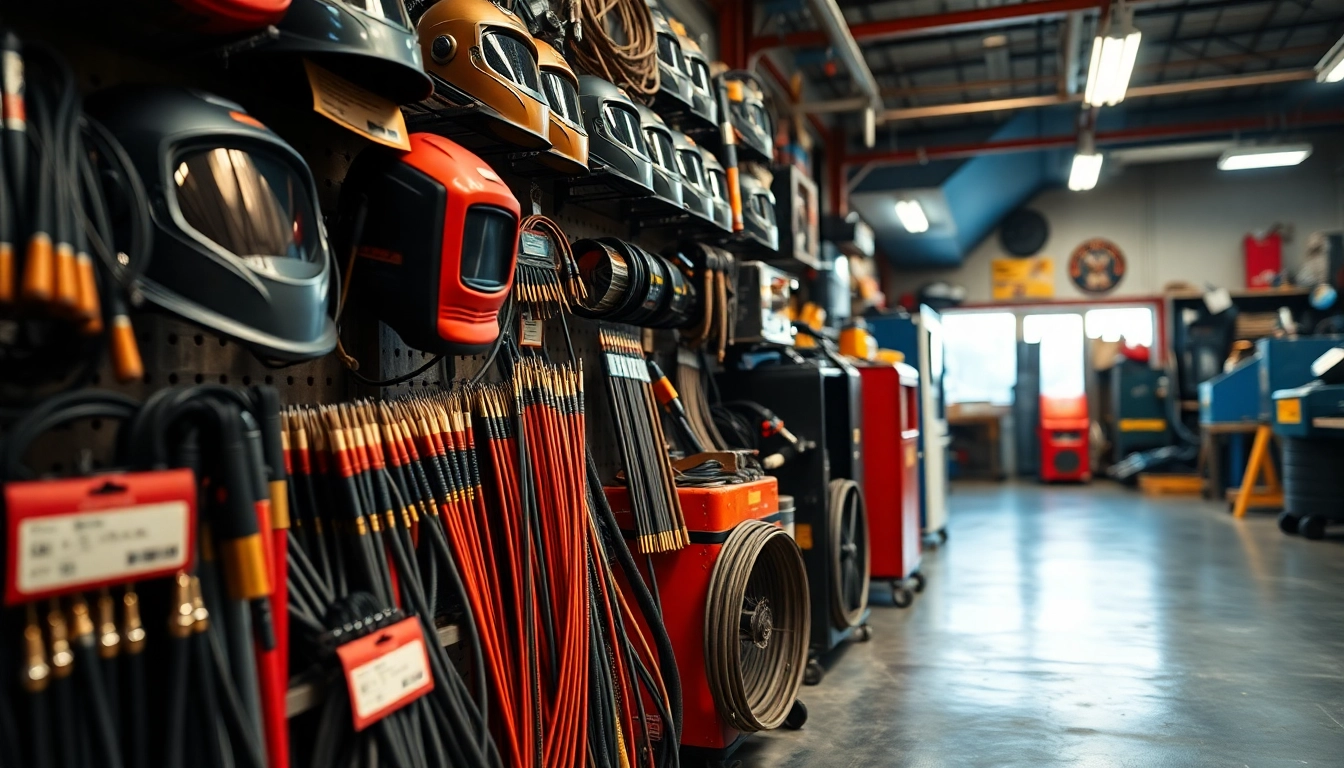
569 141
478 53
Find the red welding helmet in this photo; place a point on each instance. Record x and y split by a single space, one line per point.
438 243
225 16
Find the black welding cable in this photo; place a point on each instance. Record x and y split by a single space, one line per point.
88 677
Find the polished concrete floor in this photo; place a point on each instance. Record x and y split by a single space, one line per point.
1091 627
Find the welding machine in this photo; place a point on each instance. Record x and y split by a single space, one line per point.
1309 421
1064 439
694 593
821 401
891 474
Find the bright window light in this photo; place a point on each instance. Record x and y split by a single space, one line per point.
1061 340
1085 172
1113 57
912 217
1331 67
981 353
1133 324
1263 157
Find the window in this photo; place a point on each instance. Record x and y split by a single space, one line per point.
980 355
1133 324
1061 340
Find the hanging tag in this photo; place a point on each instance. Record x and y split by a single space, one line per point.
385 671
536 200
368 114
81 533
535 248
529 329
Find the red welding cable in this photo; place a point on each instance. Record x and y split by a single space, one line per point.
272 674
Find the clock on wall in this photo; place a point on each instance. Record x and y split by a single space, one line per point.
1023 232
1096 266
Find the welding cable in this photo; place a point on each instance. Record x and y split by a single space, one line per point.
179 652
108 642
38 275
13 87
136 720
668 398
36 680
566 267
616 40
8 220
88 678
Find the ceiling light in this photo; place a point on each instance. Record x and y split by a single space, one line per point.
1085 171
1113 57
1331 68
912 217
1263 157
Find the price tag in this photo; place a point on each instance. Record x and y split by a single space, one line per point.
385 671
529 330
81 533
366 113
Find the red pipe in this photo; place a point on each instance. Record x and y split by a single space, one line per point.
1205 127
911 26
733 24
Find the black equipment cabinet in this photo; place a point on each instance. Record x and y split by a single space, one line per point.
821 403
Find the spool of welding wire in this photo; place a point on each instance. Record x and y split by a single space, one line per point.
606 275
627 284
756 627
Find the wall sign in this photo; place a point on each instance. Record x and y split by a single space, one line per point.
1032 278
1096 266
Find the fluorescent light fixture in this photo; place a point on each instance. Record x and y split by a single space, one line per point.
1113 57
1085 171
1244 158
912 217
1331 68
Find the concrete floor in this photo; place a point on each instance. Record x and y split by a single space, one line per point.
1091 626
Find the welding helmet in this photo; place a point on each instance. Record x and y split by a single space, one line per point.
747 111
225 16
482 56
674 82
694 183
569 141
717 180
666 177
615 138
367 42
239 245
436 252
758 212
704 104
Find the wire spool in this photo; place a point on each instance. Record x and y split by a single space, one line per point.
756 627
1312 483
618 42
849 554
626 284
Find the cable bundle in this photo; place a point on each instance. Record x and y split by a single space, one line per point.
616 39
63 269
548 276
711 271
691 377
626 284
648 473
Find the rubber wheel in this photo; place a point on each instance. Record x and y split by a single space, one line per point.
1313 527
863 633
919 580
901 597
797 716
813 673
1288 523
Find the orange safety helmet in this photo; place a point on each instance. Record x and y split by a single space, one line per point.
569 140
483 62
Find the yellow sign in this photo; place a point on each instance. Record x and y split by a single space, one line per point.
368 114
802 534
1289 411
1143 425
1032 278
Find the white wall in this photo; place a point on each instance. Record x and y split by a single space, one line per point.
1177 221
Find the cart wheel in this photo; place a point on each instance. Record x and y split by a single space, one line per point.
1312 526
920 581
863 633
942 535
813 673
797 716
902 597
1288 522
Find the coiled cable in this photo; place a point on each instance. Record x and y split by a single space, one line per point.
632 64
849 553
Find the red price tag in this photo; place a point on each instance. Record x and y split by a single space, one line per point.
82 533
385 671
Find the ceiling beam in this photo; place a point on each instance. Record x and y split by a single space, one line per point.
1145 134
1135 92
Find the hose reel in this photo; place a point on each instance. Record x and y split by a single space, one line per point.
850 555
756 627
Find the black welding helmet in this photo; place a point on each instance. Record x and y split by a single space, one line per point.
239 245
615 139
368 42
704 103
694 182
747 111
674 82
758 212
666 177
717 180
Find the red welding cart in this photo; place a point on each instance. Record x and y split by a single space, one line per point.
891 475
1064 439
684 585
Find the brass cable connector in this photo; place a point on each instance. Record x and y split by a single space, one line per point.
109 640
58 632
184 616
36 671
132 630
199 613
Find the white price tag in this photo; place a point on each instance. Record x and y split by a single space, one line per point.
381 684
60 551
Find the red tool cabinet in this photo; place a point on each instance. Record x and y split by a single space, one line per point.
891 473
1064 439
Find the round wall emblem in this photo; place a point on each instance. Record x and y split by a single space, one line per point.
1096 266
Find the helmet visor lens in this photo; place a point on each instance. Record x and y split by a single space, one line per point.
511 58
756 113
562 96
660 147
700 74
718 184
625 127
489 240
763 207
255 206
692 166
391 11
669 52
